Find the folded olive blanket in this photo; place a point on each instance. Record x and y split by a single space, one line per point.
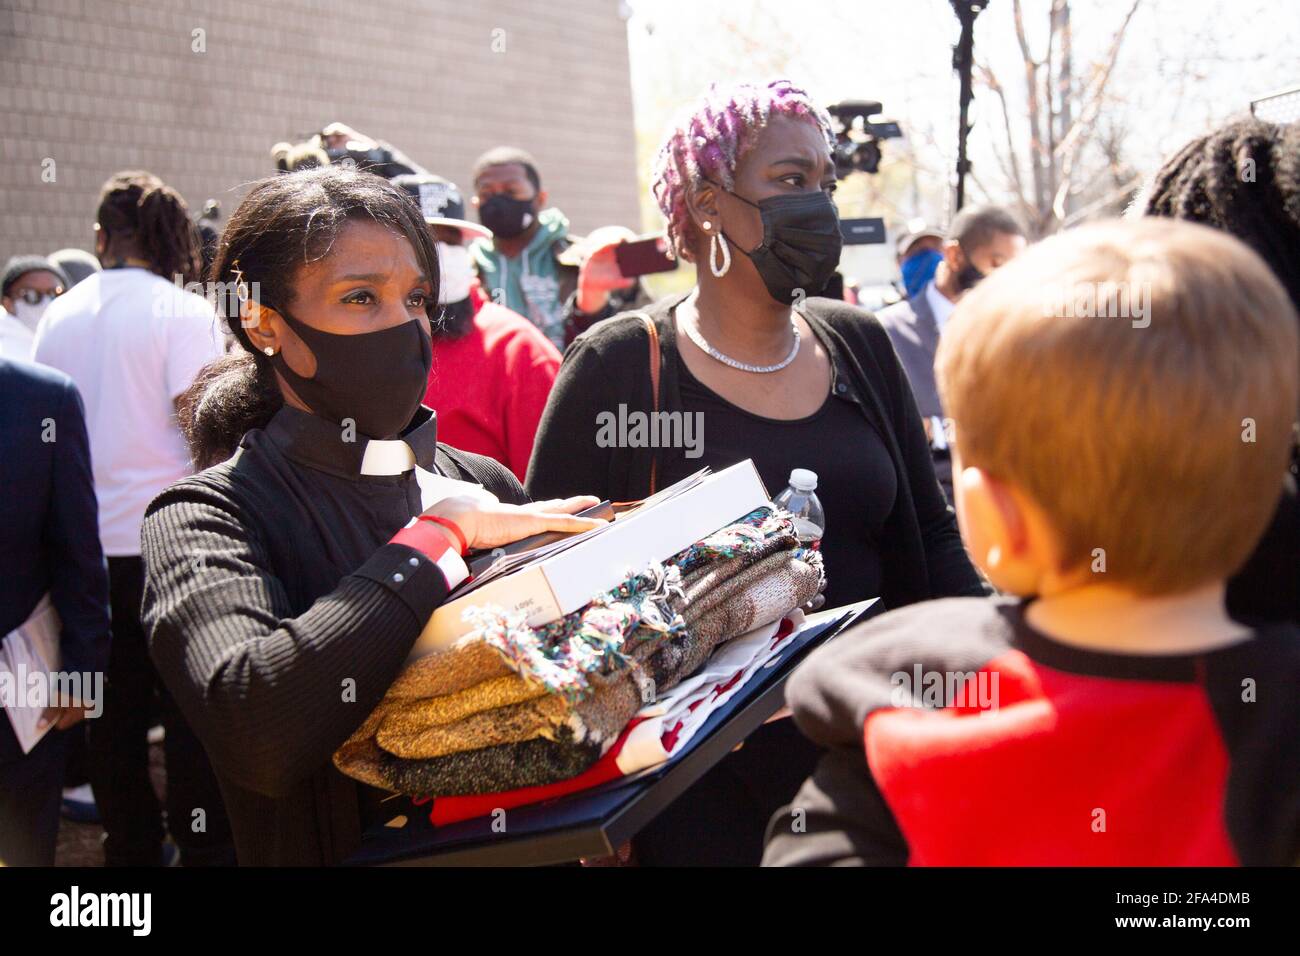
510 706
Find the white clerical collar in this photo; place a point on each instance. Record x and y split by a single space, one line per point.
393 457
321 444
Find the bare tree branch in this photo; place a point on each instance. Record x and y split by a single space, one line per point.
1036 152
1092 98
1049 85
1072 143
989 79
1099 204
979 185
1065 72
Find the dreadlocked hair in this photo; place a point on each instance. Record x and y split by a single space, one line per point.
1245 180
136 206
284 223
711 137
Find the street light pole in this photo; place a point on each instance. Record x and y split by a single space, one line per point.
963 61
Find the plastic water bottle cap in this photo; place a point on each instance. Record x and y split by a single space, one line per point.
803 479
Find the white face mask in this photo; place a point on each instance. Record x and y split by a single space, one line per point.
29 315
456 273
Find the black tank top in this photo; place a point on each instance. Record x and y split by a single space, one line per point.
856 481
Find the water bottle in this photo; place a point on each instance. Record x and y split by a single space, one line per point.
800 500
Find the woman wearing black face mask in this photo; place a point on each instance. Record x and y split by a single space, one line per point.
285 584
753 365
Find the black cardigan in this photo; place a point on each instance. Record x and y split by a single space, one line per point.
255 625
609 365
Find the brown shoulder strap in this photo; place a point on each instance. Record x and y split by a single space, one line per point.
652 332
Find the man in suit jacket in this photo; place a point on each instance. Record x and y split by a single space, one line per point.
49 537
980 239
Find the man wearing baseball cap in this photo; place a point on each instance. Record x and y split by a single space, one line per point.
492 368
919 255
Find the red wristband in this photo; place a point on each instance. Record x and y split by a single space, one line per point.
436 546
432 544
450 526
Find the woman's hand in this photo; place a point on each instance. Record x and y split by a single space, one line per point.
487 525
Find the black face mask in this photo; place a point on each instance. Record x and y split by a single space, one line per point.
801 244
968 276
377 379
507 216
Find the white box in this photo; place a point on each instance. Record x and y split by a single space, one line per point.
564 582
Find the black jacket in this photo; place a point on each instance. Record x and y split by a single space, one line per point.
278 622
49 529
609 366
1267 589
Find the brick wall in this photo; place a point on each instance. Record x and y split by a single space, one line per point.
102 85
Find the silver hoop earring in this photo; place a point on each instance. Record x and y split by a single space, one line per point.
714 243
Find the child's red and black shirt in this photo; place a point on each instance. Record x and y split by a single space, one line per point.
956 734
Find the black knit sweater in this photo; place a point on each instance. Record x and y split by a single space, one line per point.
278 616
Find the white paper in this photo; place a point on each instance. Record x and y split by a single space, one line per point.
434 488
739 658
32 648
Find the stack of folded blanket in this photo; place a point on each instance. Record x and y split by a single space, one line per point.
509 706
659 732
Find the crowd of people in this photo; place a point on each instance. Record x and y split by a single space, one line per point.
1093 510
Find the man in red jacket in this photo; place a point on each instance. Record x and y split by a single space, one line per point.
492 368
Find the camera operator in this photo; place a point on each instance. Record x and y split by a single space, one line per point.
337 143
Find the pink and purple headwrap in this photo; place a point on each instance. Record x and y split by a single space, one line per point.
709 141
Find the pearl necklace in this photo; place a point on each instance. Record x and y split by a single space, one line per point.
694 335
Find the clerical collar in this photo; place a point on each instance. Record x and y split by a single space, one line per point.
324 445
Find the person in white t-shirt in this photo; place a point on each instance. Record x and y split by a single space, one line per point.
133 339
133 342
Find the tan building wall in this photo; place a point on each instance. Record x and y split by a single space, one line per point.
100 85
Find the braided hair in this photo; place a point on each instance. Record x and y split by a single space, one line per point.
1245 180
711 137
136 207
